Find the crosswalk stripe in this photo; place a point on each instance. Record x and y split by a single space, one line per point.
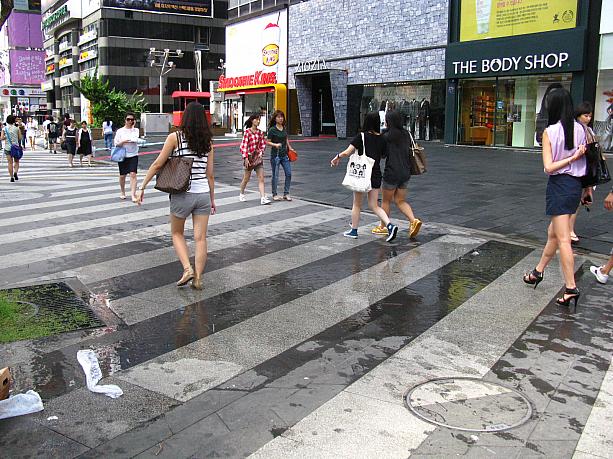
31 256
463 352
314 312
153 196
94 273
133 309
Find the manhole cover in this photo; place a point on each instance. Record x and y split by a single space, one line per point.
42 310
469 404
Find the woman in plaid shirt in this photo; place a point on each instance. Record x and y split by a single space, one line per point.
252 149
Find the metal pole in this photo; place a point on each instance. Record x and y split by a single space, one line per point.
162 80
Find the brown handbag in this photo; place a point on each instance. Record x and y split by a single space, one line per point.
418 158
175 176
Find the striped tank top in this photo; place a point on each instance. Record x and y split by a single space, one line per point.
199 180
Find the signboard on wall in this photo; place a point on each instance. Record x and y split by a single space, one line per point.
481 19
258 47
24 30
27 67
193 7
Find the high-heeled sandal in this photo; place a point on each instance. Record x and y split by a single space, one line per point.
188 274
533 278
196 283
570 294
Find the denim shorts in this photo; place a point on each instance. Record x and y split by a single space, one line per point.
390 186
183 205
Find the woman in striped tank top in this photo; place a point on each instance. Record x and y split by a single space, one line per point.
194 140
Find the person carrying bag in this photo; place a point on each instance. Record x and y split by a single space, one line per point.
12 150
359 171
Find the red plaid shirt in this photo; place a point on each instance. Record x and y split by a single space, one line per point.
253 143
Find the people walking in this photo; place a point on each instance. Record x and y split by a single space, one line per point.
128 138
277 138
53 133
69 137
194 140
397 170
31 132
564 147
371 143
11 136
84 144
252 150
107 131
602 273
22 130
45 130
583 114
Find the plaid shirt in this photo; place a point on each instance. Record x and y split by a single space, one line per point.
253 142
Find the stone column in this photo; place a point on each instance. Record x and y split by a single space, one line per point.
304 92
76 76
338 84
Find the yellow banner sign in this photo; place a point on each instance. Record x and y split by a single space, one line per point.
481 19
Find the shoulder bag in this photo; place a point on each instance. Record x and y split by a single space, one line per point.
417 157
359 171
597 171
118 154
175 175
16 150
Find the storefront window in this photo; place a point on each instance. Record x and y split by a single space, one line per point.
505 111
421 104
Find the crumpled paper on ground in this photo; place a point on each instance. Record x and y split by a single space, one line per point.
89 362
21 404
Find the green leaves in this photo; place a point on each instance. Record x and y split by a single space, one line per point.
107 102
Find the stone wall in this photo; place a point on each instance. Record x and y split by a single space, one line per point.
342 32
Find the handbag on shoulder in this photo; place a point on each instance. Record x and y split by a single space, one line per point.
418 158
175 175
16 151
597 171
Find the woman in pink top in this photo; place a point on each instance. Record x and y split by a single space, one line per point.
564 160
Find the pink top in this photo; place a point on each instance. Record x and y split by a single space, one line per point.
555 132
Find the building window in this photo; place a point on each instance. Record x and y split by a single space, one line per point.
203 35
66 95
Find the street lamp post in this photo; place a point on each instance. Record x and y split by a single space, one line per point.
160 59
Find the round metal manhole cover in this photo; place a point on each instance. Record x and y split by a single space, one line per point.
469 404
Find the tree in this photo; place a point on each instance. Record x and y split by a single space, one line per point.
7 8
107 102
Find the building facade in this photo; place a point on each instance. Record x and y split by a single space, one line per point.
22 62
350 58
115 36
504 57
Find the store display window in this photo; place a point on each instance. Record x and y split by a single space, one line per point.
505 111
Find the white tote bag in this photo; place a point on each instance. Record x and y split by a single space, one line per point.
359 171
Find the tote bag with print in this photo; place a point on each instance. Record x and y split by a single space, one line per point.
359 171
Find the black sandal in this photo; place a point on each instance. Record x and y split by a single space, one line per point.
570 294
533 278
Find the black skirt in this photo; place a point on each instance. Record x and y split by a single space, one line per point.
563 194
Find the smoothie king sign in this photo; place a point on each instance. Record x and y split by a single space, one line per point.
481 19
256 52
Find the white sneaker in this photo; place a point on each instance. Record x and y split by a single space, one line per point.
242 197
600 276
264 200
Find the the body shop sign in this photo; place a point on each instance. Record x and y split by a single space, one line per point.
256 51
554 52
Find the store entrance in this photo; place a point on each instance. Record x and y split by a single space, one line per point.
323 109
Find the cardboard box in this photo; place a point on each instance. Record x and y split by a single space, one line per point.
5 383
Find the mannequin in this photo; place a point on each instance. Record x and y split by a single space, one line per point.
424 118
413 111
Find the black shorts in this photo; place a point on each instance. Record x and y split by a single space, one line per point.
128 165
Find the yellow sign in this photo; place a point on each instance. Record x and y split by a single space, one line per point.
481 19
270 55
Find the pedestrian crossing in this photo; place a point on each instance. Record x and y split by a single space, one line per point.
302 343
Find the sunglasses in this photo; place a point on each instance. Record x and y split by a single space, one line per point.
129 119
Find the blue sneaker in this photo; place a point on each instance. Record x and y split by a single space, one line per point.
392 232
352 233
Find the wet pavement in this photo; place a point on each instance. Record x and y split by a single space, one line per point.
303 343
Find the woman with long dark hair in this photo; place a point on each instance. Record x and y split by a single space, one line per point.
398 170
564 161
194 140
374 147
252 150
278 139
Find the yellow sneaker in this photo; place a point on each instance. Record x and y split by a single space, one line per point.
380 230
414 228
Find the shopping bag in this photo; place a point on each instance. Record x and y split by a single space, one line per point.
417 157
118 154
359 171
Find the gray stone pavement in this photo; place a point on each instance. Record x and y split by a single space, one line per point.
303 343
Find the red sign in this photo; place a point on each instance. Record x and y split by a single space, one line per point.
259 78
